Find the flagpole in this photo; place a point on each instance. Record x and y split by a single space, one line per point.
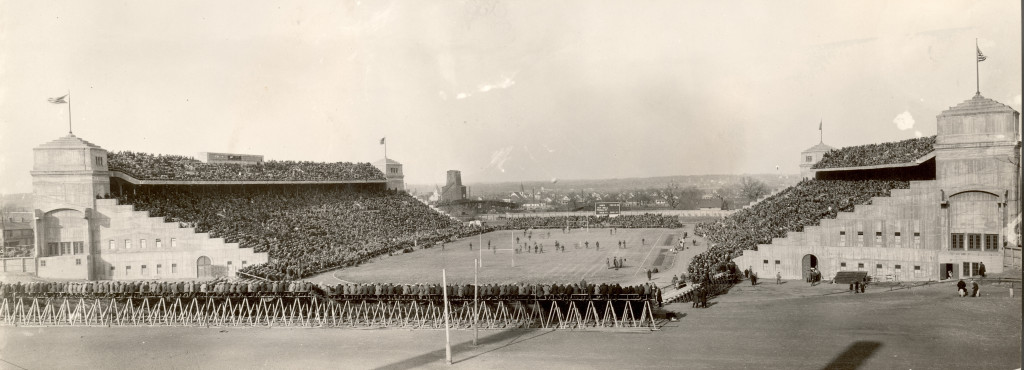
977 79
69 112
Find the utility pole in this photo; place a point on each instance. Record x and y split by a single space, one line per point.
447 336
476 303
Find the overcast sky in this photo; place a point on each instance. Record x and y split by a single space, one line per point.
501 90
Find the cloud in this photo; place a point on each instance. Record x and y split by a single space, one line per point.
499 157
461 96
904 121
507 82
918 133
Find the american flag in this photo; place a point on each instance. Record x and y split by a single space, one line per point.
981 57
58 100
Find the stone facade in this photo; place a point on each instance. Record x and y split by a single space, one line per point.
393 173
810 157
934 230
81 237
453 190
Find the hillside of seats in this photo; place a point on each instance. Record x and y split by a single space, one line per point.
896 152
799 206
305 229
145 166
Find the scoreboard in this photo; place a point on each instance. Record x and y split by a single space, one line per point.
607 208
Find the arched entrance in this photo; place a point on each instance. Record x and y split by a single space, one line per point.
204 268
809 261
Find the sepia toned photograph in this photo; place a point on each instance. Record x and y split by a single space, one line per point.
510 184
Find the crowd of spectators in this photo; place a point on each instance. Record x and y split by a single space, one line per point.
804 204
260 289
647 220
304 229
878 154
145 166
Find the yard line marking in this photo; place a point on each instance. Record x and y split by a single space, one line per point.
645 257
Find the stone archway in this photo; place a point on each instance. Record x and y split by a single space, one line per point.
809 261
204 269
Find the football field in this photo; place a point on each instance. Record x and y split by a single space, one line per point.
587 255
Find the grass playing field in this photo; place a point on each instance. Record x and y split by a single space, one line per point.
645 249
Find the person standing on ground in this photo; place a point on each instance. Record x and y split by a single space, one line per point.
981 270
961 288
778 278
648 274
974 288
753 279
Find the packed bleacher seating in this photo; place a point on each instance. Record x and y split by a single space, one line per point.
304 229
801 205
145 166
259 289
877 154
646 220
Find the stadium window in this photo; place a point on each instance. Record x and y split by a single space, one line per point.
243 263
158 243
764 266
967 269
229 263
860 238
917 240
842 238
143 270
878 265
127 244
991 242
78 261
52 248
174 268
878 237
898 267
98 161
158 268
842 264
42 263
975 266
127 270
777 262
956 241
112 244
917 270
174 242
142 243
808 159
974 242
860 265
896 235
79 247
65 248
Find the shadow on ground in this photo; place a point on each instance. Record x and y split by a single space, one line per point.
854 355
437 357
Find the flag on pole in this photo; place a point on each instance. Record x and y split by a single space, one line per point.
58 100
382 140
819 125
981 57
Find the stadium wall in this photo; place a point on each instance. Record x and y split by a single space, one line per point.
81 237
934 230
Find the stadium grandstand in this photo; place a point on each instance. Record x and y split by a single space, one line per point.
930 208
130 215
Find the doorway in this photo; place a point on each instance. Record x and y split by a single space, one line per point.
204 269
948 271
809 261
